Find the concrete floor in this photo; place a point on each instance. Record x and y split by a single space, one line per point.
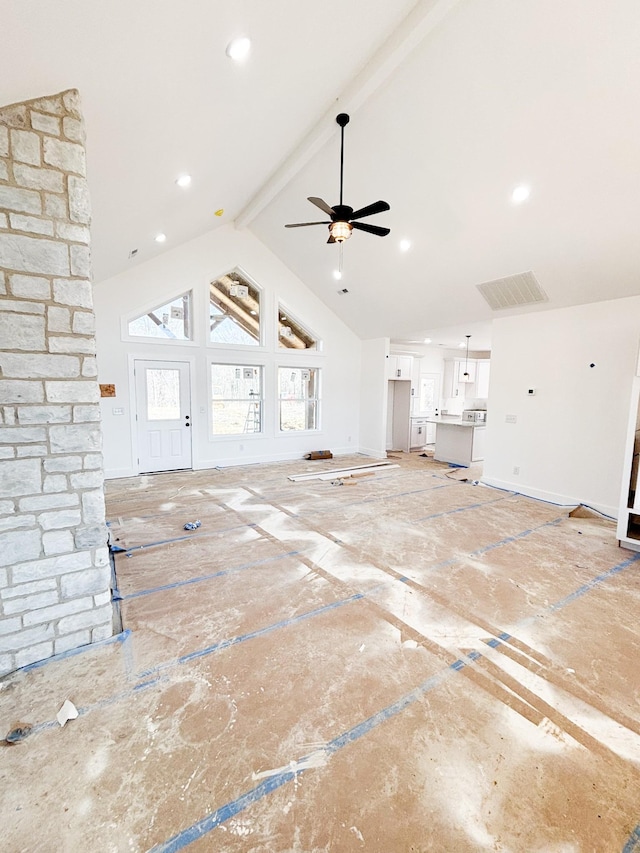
412 663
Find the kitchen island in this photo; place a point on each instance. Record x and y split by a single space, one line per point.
458 442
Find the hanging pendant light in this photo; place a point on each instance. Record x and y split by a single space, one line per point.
466 361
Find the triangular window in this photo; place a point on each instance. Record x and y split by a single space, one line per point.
171 321
234 310
292 334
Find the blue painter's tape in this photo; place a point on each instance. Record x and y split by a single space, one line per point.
459 509
272 783
201 578
210 822
70 653
633 844
133 548
605 576
260 632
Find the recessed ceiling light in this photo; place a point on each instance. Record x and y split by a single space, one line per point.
427 341
160 238
337 275
183 180
405 245
520 194
238 49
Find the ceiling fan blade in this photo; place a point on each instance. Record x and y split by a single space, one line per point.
321 204
370 209
371 229
331 239
304 224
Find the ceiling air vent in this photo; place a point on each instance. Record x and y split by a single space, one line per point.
520 289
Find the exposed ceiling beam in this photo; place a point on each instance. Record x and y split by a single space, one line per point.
421 20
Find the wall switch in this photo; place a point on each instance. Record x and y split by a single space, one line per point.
202 410
516 469
531 391
511 419
116 411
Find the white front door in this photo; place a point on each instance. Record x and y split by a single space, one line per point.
163 412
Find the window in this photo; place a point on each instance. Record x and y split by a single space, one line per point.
236 398
291 335
171 321
163 394
298 397
234 310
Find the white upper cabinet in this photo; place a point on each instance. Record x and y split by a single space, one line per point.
482 378
399 366
466 366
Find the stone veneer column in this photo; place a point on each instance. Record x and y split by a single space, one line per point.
54 563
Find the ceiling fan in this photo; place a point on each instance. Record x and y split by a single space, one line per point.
343 218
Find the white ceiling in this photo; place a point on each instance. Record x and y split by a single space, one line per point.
453 103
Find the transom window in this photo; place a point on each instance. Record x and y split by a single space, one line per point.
171 321
298 396
236 399
292 335
234 310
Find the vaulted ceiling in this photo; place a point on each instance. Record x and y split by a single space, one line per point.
453 104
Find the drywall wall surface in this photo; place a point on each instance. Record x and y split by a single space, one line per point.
373 397
567 440
54 567
191 267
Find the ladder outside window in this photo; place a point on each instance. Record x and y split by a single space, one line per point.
252 421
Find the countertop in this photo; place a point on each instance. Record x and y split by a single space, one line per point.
446 421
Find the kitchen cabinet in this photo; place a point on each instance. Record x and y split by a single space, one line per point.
453 385
422 433
399 366
466 366
459 443
483 367
476 386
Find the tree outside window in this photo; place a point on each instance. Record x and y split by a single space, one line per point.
298 396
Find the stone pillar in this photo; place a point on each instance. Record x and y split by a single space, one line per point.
54 563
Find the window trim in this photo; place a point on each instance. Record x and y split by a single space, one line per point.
317 398
295 351
125 319
234 436
260 344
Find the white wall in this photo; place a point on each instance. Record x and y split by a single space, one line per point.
373 397
192 266
569 438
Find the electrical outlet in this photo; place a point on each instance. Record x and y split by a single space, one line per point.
516 470
511 419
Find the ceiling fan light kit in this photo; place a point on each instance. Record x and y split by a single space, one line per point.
343 217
